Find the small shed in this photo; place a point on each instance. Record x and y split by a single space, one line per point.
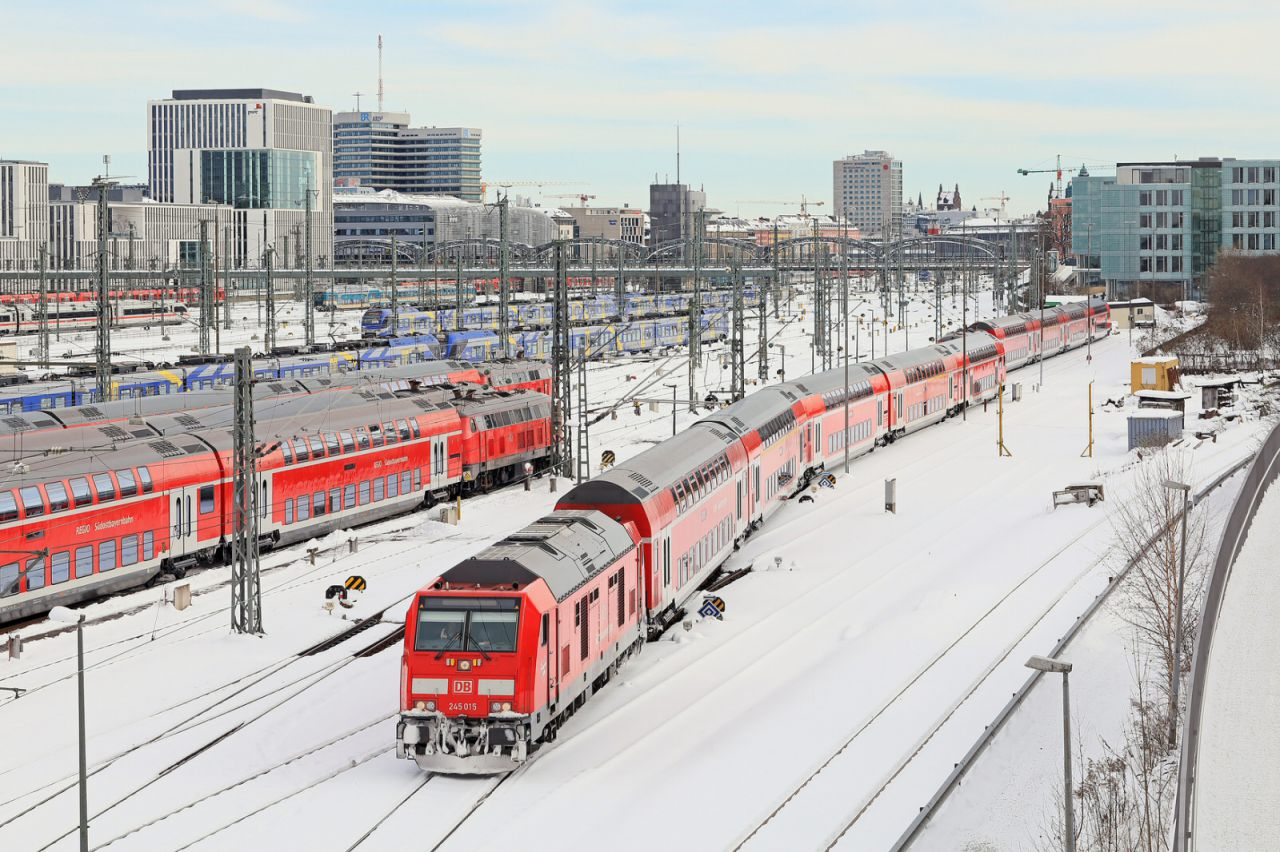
1159 372
1218 393
1171 400
1154 427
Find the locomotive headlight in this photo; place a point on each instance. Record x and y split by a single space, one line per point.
431 705
495 707
421 705
506 707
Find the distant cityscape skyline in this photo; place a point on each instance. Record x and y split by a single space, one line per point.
590 95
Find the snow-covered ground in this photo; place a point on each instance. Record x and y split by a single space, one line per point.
856 663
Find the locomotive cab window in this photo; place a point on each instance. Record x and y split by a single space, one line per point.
467 624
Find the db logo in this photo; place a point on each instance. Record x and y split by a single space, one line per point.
463 686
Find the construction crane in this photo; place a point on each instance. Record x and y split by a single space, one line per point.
507 184
1058 172
582 198
1002 198
804 203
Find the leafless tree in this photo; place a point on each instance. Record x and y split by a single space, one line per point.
1148 536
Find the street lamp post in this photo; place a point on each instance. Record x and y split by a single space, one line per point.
67 616
1177 627
1048 665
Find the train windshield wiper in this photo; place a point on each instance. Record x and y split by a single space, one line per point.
457 635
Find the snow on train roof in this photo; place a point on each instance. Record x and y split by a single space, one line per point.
830 380
751 412
565 550
656 468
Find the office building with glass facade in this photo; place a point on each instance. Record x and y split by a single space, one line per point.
1156 228
379 150
24 213
258 151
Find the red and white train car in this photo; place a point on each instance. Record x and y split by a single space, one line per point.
71 530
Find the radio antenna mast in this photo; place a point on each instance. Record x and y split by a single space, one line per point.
379 72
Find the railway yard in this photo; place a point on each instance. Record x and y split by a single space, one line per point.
861 652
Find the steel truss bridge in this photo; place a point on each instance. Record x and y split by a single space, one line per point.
705 258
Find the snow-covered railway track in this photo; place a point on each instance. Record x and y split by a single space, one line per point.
283 693
940 658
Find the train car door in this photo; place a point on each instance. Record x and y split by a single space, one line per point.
183 520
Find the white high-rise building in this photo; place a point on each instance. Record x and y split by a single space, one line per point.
24 213
867 190
260 151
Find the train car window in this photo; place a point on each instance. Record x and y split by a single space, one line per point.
303 508
206 499
317 504
413 426
335 499
331 443
84 561
60 567
405 486
364 492
348 442
287 452
375 435
317 447
288 511
32 501
389 432
107 555
362 438
405 434
128 550
300 449
148 545
9 576
104 485
378 489
264 502
128 485
393 486
348 496
35 573
417 479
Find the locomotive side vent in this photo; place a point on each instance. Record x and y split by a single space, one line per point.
187 420
92 412
17 424
115 433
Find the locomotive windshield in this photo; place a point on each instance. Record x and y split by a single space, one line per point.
449 623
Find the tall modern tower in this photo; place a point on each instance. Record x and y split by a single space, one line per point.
867 190
379 150
256 150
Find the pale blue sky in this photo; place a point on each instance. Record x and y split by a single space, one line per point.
767 93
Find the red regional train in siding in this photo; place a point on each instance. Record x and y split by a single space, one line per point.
74 526
501 649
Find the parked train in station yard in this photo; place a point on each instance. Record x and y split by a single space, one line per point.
23 317
502 648
76 525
